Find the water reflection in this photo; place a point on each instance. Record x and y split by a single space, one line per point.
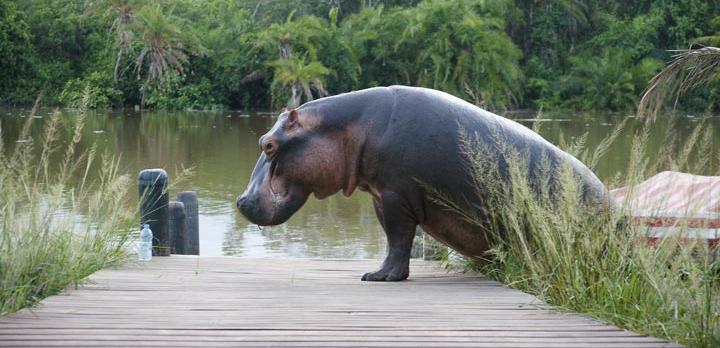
222 148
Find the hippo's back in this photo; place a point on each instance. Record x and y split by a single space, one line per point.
442 117
433 123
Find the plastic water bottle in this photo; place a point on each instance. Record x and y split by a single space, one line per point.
145 245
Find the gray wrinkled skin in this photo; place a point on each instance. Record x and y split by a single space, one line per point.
385 141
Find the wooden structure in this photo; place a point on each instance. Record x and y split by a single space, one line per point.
186 301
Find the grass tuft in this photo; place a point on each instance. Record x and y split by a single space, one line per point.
58 222
570 255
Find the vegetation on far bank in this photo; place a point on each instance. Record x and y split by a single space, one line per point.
599 264
192 54
62 213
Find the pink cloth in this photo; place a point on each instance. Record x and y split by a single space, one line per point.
677 192
671 198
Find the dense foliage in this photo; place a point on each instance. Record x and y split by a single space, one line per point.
192 54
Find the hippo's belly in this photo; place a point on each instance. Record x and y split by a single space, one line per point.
456 233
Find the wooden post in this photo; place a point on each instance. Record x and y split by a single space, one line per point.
152 186
192 229
176 226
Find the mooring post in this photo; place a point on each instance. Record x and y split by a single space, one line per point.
152 186
192 229
176 226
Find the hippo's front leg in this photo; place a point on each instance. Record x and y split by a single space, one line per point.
399 225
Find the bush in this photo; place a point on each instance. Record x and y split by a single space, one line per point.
100 89
609 81
177 95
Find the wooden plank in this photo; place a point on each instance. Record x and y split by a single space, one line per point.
393 343
307 333
197 302
276 337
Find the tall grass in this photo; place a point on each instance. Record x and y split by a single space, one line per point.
62 215
576 256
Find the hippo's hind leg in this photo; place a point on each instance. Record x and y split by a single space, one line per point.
399 225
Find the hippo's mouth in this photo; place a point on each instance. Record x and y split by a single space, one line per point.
277 199
281 192
270 198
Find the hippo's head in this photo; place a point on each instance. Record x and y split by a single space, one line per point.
298 158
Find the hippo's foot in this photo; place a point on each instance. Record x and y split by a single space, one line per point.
390 275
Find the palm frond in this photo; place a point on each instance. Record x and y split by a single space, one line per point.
690 69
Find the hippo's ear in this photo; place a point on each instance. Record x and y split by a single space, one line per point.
292 117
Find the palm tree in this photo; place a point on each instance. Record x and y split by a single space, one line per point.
301 78
690 69
302 34
165 47
124 21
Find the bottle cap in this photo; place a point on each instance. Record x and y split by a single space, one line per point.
146 226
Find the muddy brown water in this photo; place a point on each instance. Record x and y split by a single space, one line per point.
222 148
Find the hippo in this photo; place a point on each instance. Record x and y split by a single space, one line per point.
388 141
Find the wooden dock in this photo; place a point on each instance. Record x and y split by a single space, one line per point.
183 301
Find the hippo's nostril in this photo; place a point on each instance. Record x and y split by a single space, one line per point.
240 201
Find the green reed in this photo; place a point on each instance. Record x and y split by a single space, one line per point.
62 213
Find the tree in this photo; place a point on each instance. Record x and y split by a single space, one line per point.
374 38
292 69
463 47
15 48
231 71
302 77
164 47
339 57
549 29
124 21
607 80
690 69
64 44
